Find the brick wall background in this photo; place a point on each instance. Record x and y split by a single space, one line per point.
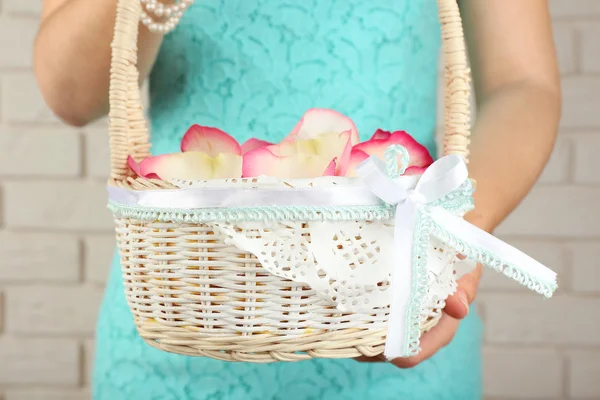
55 250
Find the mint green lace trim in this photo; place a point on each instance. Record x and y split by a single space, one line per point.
458 201
420 282
192 216
495 262
391 160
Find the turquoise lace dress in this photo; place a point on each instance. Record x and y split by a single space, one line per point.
252 67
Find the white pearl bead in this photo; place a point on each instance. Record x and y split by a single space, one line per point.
171 12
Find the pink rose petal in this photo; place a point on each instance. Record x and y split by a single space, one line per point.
287 148
135 167
211 141
227 166
381 134
419 155
415 171
318 121
318 151
331 168
254 143
263 162
356 157
326 147
343 163
193 165
258 161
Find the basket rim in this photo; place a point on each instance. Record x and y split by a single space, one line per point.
257 183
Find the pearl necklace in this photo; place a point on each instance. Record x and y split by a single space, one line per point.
171 12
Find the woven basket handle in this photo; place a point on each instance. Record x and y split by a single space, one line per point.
129 132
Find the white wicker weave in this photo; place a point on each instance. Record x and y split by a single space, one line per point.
191 293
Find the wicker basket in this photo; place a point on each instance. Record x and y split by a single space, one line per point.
192 293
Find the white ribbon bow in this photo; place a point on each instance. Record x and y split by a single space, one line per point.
441 178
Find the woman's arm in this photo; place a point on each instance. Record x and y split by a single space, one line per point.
517 87
72 57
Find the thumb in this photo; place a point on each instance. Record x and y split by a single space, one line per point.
457 305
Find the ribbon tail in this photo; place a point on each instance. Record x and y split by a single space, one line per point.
492 252
402 285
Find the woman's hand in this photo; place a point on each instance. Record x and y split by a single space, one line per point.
457 307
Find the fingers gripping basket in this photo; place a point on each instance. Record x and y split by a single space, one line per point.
266 279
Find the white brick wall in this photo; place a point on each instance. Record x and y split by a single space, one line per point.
58 247
51 309
524 318
29 257
32 152
508 372
67 205
583 374
43 361
16 7
22 102
47 394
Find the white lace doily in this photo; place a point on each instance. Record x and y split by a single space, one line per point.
347 263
